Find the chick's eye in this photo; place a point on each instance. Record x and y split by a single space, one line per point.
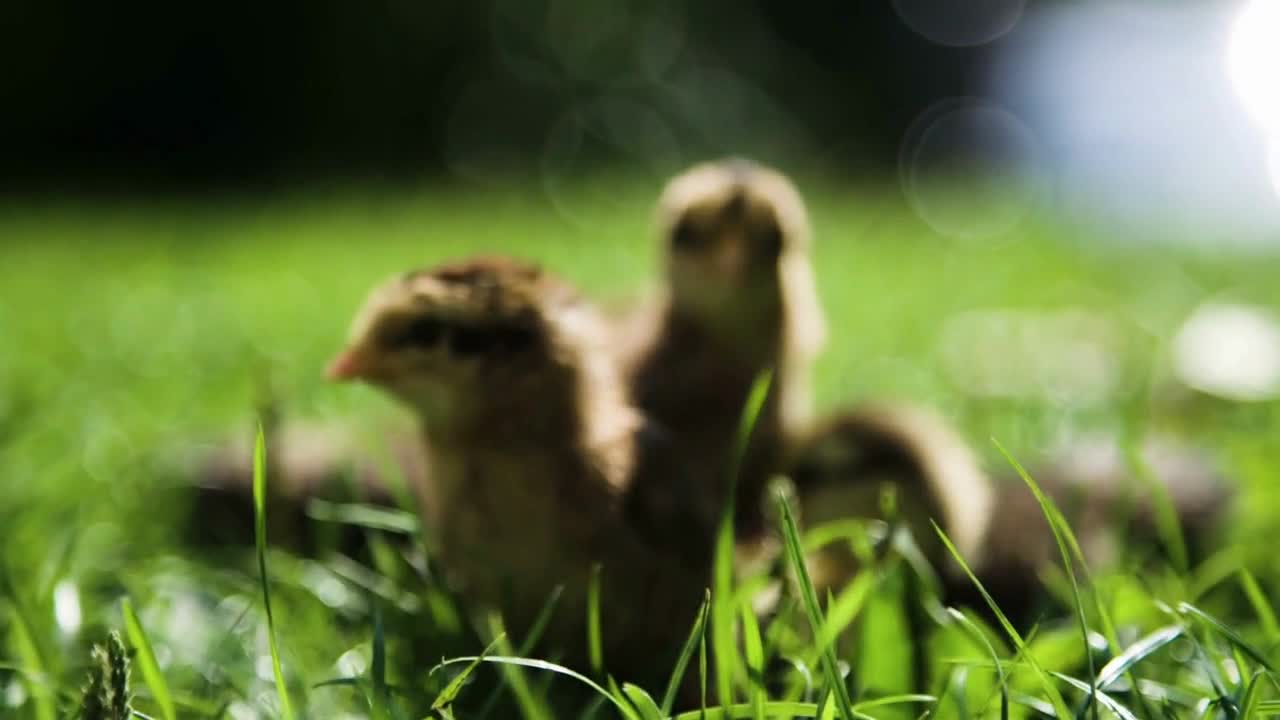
484 340
769 240
684 236
422 333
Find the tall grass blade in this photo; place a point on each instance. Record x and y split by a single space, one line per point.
595 641
378 668
1261 606
723 608
1230 635
531 706
976 633
795 555
526 646
260 527
1058 524
696 635
755 659
28 651
146 660
1055 698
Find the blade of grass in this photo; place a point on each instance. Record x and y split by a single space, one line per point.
1231 636
531 706
519 662
1055 698
1261 606
702 673
890 700
1136 653
366 516
795 554
595 642
642 701
378 668
451 691
1102 698
1059 527
526 646
146 660
723 608
696 635
755 659
745 711
260 533
976 633
28 651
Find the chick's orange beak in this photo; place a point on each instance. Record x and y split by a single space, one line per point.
349 365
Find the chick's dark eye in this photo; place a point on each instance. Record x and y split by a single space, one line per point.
769 240
484 340
684 236
422 333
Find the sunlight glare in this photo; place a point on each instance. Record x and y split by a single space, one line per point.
1253 61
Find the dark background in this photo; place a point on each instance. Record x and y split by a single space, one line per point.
169 95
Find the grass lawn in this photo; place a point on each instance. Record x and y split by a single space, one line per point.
129 330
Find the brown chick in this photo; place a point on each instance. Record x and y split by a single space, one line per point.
537 458
739 299
995 523
843 464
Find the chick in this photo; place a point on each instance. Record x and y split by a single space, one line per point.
739 299
994 521
842 465
537 459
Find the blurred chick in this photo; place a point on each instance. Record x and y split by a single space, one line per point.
538 462
739 299
995 523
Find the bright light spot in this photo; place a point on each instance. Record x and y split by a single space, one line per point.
264 669
326 587
352 663
66 607
1253 61
1232 351
1273 162
15 695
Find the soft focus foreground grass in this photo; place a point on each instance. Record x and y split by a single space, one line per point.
129 330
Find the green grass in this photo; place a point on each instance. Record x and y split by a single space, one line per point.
131 331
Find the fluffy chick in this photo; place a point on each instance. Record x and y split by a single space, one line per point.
537 459
995 522
739 299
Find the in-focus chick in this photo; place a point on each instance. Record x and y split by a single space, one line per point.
536 457
739 299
